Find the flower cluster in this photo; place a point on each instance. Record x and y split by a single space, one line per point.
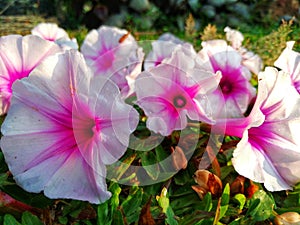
67 114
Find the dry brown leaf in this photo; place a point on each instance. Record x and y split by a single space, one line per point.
146 217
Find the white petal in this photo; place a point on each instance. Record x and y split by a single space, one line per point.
251 162
76 180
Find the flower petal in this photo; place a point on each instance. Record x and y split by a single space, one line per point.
289 61
90 187
250 161
18 57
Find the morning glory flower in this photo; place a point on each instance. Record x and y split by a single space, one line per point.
269 151
289 61
235 37
170 37
52 32
162 48
112 52
235 92
18 57
249 59
171 94
49 31
64 126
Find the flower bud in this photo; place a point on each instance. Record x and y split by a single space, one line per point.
208 182
288 218
238 185
200 191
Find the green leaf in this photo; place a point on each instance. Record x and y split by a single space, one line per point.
117 169
117 218
10 220
182 177
261 206
102 212
63 220
152 189
87 222
207 200
75 213
292 200
205 222
35 200
225 171
129 179
29 219
76 223
196 217
131 205
163 200
150 164
3 166
224 201
206 204
235 222
107 210
254 203
296 188
3 179
240 199
171 217
185 202
164 203
115 190
161 155
242 221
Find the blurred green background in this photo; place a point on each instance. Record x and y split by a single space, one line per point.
158 15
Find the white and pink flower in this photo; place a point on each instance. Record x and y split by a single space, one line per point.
162 48
249 59
64 126
235 93
269 151
112 52
173 91
18 57
52 32
289 61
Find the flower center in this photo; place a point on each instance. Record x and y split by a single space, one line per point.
226 86
158 60
179 101
96 127
50 39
